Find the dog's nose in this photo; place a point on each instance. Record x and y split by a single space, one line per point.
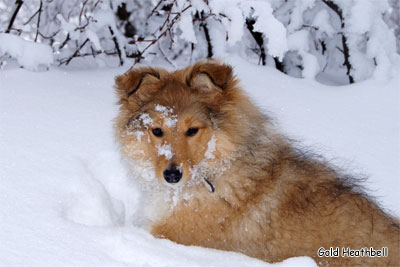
172 174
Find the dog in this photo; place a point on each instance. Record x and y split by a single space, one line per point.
215 173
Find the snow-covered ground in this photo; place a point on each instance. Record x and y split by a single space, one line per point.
65 199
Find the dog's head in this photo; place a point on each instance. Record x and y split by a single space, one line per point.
178 121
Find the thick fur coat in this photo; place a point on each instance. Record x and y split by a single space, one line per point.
215 173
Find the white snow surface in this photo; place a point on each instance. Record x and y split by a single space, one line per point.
66 199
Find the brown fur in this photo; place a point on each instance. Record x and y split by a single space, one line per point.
271 201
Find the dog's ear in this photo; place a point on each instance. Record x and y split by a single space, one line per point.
210 75
136 87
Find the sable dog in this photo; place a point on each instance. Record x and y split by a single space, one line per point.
216 174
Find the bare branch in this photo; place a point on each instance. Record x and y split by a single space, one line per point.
258 38
346 52
14 29
80 14
155 8
210 53
34 14
17 8
75 54
168 23
38 21
65 41
165 57
121 62
92 53
49 37
180 52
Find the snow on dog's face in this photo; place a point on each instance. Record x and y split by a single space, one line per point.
180 122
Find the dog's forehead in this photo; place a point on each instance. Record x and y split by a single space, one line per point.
174 98
173 85
171 116
177 101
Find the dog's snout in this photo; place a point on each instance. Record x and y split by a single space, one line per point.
172 174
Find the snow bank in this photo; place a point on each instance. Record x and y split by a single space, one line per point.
66 200
29 55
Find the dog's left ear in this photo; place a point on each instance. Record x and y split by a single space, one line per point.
138 86
210 75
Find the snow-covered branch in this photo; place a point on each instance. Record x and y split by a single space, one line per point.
308 38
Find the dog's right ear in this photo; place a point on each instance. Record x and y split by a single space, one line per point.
136 87
211 75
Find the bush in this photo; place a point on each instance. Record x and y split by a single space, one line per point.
307 38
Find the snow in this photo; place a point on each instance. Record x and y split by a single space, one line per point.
170 119
146 120
29 55
211 148
94 39
321 21
274 30
66 199
186 26
139 135
382 47
296 20
68 27
365 27
163 109
165 150
234 26
363 14
298 41
235 14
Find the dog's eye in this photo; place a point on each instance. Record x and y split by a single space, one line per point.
157 132
192 131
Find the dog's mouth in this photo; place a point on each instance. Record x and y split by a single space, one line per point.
212 187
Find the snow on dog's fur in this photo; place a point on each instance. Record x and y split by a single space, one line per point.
215 173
